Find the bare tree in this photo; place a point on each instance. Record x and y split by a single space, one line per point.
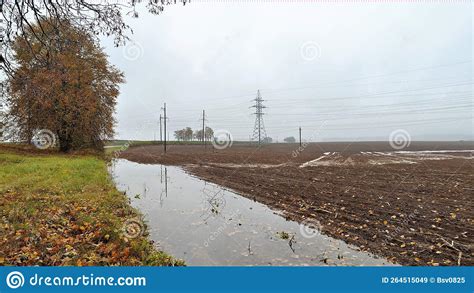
290 139
197 135
188 133
179 134
98 17
209 133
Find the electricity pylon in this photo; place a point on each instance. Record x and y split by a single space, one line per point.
259 132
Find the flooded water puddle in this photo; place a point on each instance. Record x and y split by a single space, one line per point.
205 224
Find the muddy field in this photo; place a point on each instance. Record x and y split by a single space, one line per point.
413 206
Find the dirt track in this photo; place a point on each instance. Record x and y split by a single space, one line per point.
412 208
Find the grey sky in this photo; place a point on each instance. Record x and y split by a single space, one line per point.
375 68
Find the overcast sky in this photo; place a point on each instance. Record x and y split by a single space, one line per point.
340 71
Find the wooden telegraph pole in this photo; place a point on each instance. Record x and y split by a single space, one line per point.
300 136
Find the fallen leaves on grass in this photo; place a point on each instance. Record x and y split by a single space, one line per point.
76 219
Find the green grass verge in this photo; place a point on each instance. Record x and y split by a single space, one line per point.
64 210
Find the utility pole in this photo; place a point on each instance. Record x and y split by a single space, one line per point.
259 127
164 123
300 135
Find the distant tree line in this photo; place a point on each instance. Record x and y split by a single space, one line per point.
187 134
267 140
290 139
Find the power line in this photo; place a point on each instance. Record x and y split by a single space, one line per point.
373 76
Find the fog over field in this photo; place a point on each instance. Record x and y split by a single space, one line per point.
341 72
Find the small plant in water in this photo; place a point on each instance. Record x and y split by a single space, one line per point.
283 235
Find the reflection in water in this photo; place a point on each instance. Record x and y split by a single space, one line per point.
213 200
205 224
164 186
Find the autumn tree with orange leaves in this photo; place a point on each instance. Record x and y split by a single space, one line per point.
63 83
